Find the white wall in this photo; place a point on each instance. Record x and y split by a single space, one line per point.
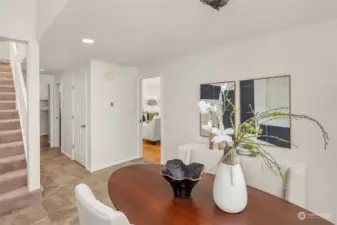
47 11
18 19
22 50
4 50
308 54
113 130
33 86
151 88
110 129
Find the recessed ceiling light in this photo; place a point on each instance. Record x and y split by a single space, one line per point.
88 41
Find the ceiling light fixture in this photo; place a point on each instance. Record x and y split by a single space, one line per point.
88 41
216 4
41 70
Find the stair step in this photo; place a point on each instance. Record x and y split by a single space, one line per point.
18 198
13 180
5 96
6 74
4 62
11 124
6 81
9 114
13 194
10 136
11 149
7 105
7 88
13 163
5 67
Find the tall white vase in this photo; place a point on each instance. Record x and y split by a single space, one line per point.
229 189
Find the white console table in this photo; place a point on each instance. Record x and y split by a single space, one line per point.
257 174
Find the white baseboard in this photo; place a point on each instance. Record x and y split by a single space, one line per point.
113 164
67 154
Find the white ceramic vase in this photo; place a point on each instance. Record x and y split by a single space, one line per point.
229 189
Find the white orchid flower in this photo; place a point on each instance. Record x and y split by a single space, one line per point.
223 138
205 128
208 126
229 131
213 108
201 104
204 107
215 131
223 87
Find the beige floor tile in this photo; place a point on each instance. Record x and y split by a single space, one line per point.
59 177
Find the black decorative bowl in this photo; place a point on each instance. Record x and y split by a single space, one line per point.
182 177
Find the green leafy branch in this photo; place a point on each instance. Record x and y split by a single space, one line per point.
246 132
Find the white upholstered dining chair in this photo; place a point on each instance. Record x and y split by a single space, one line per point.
93 212
256 173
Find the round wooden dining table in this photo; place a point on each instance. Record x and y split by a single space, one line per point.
146 198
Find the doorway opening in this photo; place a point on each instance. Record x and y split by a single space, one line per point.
48 112
151 118
45 99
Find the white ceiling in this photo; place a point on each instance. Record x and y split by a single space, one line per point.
138 32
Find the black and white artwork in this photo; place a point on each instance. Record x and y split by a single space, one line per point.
265 94
213 93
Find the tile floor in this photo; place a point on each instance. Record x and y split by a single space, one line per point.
59 176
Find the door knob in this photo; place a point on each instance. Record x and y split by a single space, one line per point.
83 126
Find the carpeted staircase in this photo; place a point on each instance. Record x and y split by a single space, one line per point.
14 193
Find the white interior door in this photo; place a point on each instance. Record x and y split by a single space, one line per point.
51 117
140 118
79 91
57 115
